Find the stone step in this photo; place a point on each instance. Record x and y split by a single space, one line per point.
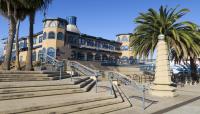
6 85
38 94
47 102
34 78
28 72
112 109
37 88
78 80
89 86
105 109
29 79
85 83
78 107
31 75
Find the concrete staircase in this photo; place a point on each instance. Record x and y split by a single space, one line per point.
13 76
74 96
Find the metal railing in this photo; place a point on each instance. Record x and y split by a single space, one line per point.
59 65
126 80
85 70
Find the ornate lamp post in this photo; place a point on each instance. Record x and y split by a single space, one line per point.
161 85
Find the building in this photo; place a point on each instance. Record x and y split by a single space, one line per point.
61 39
127 52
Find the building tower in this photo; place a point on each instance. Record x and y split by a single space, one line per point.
127 54
54 37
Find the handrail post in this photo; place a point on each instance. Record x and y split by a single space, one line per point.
60 73
111 83
143 97
96 81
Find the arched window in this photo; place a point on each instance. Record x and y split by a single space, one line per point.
51 35
44 35
51 52
124 58
34 56
125 47
60 36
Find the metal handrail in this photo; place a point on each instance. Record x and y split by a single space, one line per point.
140 87
57 63
86 70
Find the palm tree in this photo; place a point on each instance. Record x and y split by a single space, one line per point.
19 16
32 6
182 37
7 10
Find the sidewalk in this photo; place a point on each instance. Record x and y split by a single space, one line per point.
187 102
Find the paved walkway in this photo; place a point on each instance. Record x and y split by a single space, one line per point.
187 102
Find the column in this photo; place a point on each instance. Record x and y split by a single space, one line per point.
101 57
161 85
85 56
93 56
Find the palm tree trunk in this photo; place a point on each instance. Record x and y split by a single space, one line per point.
17 46
193 70
12 25
9 43
29 65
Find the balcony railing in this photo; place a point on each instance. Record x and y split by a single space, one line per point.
99 48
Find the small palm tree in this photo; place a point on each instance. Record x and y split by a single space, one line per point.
182 37
32 6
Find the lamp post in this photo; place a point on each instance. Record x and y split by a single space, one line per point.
161 85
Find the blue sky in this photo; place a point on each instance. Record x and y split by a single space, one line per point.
104 18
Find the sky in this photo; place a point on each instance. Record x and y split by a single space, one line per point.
103 18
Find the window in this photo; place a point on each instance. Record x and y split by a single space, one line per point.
34 40
61 24
82 41
124 58
53 24
14 46
51 35
105 45
60 36
21 58
44 35
40 39
51 52
111 47
40 56
34 56
124 48
21 45
124 39
90 43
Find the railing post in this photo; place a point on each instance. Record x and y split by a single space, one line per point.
60 73
96 82
143 97
111 83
